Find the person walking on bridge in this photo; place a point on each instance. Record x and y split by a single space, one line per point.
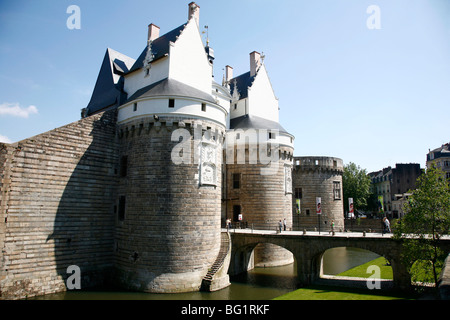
387 225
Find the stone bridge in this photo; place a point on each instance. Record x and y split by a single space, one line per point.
309 248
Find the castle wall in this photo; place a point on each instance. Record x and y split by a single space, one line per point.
263 200
56 207
318 177
169 233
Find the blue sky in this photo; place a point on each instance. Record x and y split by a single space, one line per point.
375 97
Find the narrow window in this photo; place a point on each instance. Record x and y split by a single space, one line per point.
122 208
307 212
298 193
337 190
236 181
236 212
204 107
135 107
123 166
171 103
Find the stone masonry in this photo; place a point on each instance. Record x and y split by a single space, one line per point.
318 177
169 234
57 191
263 201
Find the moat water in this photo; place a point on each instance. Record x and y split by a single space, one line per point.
257 284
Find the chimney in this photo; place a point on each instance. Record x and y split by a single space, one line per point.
194 10
228 73
153 32
255 62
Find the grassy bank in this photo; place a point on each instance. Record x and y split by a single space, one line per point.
361 271
341 293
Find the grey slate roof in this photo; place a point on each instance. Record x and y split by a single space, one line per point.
172 88
254 122
108 90
160 47
243 82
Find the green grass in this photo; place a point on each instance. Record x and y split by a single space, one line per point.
361 271
340 293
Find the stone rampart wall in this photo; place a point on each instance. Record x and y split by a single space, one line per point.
57 196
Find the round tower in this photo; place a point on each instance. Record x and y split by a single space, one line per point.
318 177
259 182
168 207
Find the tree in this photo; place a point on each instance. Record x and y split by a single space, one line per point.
356 185
426 220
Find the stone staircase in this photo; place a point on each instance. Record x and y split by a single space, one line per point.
217 277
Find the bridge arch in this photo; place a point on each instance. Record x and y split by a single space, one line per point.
348 257
308 251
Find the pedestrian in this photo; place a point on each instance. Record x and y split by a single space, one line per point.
284 224
228 224
332 227
387 225
280 225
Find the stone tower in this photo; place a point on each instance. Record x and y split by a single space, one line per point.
171 132
259 155
318 177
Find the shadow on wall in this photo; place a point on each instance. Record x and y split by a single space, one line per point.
83 232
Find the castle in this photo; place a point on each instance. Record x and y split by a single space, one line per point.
137 192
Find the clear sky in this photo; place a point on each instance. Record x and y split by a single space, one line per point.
372 96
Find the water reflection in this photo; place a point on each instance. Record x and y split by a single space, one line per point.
257 284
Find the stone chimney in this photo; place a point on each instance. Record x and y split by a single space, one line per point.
255 62
228 73
153 32
194 10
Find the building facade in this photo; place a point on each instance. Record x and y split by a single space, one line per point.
440 157
390 184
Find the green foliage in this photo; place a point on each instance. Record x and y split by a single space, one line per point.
427 219
356 185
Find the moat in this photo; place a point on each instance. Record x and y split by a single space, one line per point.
257 284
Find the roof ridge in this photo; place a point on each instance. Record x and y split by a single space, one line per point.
160 46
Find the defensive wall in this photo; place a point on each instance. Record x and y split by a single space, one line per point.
58 191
